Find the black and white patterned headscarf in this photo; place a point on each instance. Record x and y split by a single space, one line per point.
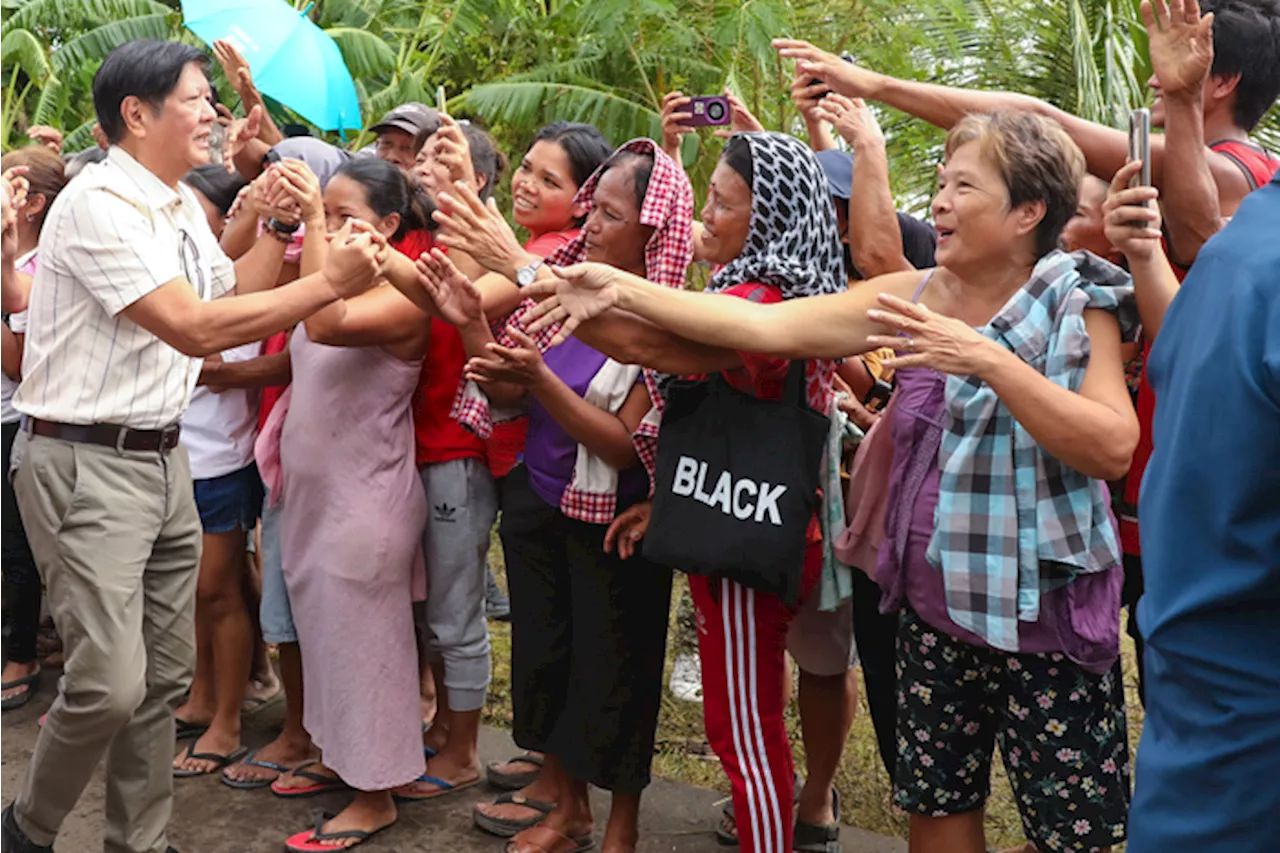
793 242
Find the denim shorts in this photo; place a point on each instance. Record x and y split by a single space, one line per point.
230 502
275 613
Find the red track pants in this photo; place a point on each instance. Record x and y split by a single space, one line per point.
742 640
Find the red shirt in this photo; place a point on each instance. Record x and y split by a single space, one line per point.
1260 166
440 438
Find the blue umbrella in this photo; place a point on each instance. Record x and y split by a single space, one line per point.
292 60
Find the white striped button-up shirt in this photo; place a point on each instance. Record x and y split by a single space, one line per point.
114 235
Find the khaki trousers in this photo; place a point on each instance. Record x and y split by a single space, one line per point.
116 537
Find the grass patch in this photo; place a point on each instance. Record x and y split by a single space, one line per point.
682 753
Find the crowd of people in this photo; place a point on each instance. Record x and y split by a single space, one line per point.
262 392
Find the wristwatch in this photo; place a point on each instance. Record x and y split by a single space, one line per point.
526 274
279 227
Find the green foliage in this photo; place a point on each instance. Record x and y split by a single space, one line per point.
517 64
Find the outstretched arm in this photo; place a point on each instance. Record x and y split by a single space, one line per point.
831 326
1105 149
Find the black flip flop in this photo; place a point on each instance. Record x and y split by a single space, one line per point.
814 838
251 760
507 827
311 840
514 781
323 784
31 681
183 729
730 839
220 761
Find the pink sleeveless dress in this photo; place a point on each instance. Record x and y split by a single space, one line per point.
351 534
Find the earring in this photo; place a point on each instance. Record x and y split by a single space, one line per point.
31 217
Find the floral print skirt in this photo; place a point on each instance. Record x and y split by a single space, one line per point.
1061 730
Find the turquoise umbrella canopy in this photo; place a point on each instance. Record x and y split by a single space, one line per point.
292 60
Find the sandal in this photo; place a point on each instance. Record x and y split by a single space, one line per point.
220 761
544 839
514 781
31 682
443 788
505 827
252 760
184 729
813 838
730 839
323 784
313 840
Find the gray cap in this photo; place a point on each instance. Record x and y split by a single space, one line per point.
413 118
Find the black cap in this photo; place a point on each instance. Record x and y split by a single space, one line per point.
412 118
837 165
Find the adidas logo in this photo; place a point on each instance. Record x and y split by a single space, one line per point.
444 512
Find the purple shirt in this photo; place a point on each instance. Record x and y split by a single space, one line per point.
550 453
1081 619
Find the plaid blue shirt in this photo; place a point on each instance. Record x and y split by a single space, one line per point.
1013 521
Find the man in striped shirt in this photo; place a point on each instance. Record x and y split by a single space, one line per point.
124 305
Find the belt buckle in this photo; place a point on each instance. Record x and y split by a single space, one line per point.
165 433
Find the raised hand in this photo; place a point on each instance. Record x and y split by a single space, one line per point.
628 529
239 132
1181 43
852 119
806 97
295 179
470 226
521 365
352 261
852 81
234 65
1129 217
449 149
673 113
929 339
49 137
576 294
740 118
455 297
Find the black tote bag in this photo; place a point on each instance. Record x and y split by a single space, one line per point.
736 482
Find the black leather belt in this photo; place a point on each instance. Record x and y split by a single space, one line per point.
109 435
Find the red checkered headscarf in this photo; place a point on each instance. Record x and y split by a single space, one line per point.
667 208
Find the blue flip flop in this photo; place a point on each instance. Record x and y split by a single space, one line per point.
442 789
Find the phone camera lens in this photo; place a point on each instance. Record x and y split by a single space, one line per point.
715 111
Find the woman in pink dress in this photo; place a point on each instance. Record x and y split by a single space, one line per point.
352 523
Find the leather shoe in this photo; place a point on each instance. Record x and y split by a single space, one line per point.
15 840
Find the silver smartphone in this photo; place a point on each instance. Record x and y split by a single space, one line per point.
1140 145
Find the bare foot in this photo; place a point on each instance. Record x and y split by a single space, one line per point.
367 813
260 691
435 737
14 671
286 753
214 742
193 715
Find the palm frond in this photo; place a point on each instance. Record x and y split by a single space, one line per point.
21 48
53 15
529 104
100 41
365 54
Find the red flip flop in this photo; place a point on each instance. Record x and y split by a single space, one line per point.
323 785
313 840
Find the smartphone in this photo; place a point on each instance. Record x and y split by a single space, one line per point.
846 56
441 104
707 111
1140 145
